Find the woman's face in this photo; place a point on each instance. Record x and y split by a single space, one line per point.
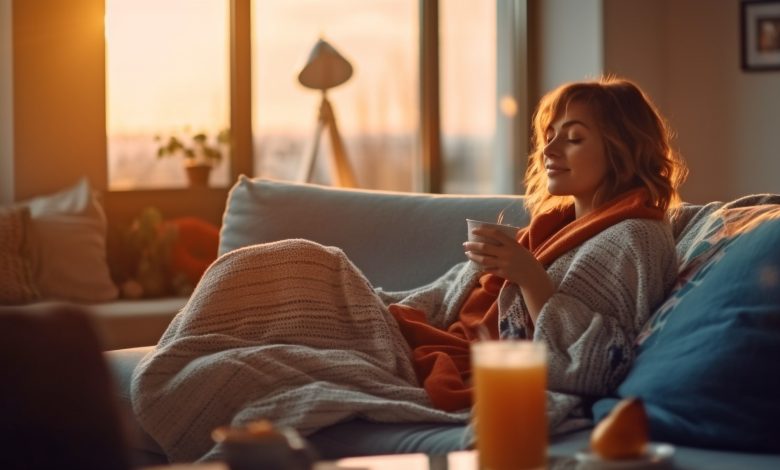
574 157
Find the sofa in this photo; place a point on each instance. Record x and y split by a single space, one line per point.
706 362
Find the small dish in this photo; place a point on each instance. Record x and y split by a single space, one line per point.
658 455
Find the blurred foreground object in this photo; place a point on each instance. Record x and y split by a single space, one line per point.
260 445
57 401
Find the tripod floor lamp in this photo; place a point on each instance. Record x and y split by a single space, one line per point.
325 69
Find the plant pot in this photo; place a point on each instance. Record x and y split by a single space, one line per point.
198 175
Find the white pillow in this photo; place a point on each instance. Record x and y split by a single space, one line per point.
69 240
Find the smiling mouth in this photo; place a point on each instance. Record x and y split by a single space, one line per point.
553 170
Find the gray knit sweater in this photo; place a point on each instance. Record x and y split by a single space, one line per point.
606 290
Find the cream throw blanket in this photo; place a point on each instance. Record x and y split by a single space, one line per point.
289 331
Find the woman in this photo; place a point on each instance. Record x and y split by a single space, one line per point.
291 331
597 257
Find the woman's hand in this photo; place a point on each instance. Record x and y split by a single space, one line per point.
501 255
505 257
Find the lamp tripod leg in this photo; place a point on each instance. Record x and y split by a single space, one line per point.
341 172
307 169
340 168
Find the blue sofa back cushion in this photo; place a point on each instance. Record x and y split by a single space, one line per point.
707 363
398 240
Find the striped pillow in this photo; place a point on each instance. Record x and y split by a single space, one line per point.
16 276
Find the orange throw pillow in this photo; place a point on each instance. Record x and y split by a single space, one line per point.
195 247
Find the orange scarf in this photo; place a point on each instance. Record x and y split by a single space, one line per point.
442 358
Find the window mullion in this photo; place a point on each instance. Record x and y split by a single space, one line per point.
430 122
241 161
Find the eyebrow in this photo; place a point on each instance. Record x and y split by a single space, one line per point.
568 124
572 122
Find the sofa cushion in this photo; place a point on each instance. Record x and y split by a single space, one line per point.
364 225
359 437
690 219
706 365
69 233
130 323
143 449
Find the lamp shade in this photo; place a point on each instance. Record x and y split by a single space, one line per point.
326 68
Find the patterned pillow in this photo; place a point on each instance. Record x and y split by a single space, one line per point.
16 277
706 364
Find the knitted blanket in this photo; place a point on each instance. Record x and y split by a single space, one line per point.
289 331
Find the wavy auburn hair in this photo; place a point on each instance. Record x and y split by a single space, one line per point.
636 144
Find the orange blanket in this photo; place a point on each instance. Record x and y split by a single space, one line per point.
442 357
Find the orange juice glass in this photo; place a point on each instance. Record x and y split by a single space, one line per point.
510 419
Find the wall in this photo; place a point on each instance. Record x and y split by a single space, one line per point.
568 44
636 44
686 53
727 119
58 95
6 105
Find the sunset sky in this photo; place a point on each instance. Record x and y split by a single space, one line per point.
168 63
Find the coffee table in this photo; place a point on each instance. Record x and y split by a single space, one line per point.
464 460
461 460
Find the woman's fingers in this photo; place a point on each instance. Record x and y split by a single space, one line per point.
482 259
497 236
478 247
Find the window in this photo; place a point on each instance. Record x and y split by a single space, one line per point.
376 109
166 73
468 94
168 69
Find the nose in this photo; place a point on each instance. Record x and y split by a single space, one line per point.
552 148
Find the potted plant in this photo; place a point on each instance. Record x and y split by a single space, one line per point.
200 153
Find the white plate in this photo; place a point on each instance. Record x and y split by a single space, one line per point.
658 455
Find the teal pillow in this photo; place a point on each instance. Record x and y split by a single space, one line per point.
707 362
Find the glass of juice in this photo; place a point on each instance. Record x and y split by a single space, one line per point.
510 419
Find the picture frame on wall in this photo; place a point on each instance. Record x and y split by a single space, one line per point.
760 31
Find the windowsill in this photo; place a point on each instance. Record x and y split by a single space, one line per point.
201 189
207 203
